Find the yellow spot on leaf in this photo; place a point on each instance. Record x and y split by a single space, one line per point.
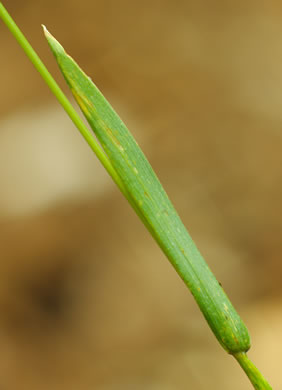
83 103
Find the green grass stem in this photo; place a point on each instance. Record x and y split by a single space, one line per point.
256 378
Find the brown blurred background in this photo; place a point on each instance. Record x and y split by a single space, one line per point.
87 300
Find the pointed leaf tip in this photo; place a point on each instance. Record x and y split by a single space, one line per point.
55 46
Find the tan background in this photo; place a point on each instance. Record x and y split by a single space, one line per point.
87 301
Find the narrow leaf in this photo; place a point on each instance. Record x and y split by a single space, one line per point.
152 202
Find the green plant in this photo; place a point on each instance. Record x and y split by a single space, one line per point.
131 171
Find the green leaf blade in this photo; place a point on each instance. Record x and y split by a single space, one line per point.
150 198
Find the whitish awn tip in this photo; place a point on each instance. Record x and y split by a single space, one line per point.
45 29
